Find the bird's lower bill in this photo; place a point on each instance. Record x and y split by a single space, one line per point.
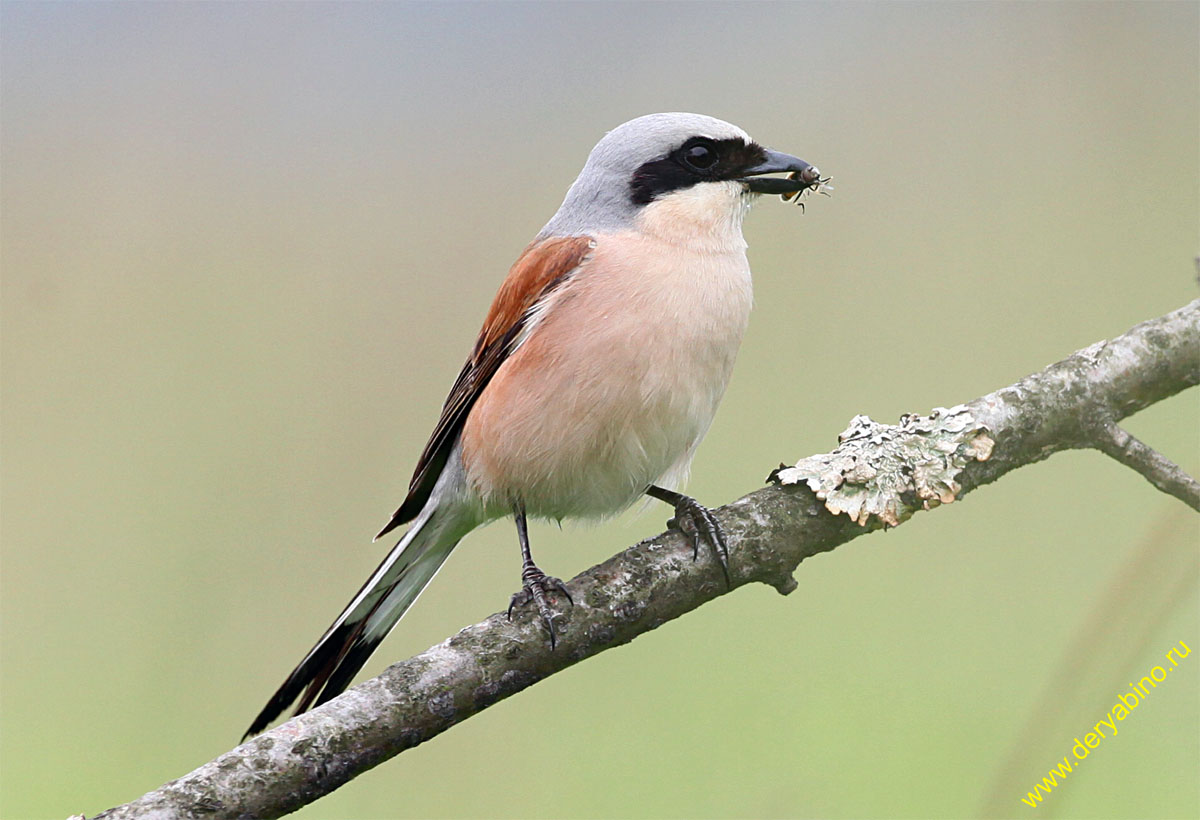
807 180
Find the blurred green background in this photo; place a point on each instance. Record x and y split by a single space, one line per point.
246 248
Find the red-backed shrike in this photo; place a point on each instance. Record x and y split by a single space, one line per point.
597 372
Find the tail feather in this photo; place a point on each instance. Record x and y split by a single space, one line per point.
331 665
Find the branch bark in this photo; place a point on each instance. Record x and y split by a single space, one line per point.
1159 470
879 475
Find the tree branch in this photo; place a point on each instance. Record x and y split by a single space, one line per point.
879 476
1159 470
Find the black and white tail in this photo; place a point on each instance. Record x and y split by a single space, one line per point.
329 666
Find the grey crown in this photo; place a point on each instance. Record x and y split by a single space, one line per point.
599 199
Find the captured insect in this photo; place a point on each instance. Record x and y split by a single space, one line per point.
813 181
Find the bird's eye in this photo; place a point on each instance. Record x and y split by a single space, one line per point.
700 156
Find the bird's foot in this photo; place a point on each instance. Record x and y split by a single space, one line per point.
697 523
536 585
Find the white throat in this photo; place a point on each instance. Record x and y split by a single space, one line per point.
705 217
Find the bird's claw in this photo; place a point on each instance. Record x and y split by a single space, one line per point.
536 586
697 523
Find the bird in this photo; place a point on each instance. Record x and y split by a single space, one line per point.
597 371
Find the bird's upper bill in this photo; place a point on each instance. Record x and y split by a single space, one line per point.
800 175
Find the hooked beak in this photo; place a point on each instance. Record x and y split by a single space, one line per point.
801 175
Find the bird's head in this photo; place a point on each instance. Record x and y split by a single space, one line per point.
683 173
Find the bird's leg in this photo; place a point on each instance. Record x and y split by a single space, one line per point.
696 522
535 583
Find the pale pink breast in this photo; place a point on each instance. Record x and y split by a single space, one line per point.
616 384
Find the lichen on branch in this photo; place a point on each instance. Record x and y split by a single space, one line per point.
890 471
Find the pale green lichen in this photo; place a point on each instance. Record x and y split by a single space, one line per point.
891 470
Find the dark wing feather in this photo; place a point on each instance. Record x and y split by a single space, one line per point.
542 267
